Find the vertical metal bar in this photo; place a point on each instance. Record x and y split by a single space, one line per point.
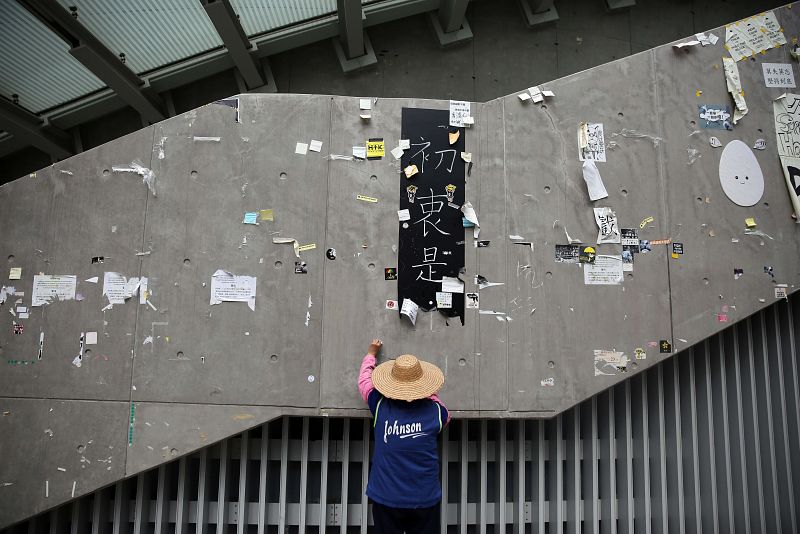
77 524
222 495
323 476
365 474
345 473
767 399
162 502
629 520
121 523
591 499
182 506
519 477
284 473
242 522
142 511
351 27
726 444
755 422
484 460
572 469
557 468
202 509
710 449
676 397
445 463
263 471
740 426
787 455
500 461
645 497
303 477
696 515
662 455
541 478
54 519
612 507
464 457
100 512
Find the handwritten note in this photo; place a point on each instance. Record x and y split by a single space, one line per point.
778 74
459 109
227 287
591 142
52 287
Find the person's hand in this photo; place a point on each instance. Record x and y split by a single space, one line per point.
375 347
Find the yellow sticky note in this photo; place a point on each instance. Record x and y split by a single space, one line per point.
698 93
310 246
750 222
410 171
375 148
266 215
675 256
366 198
15 273
454 136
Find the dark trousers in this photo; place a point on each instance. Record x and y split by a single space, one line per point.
389 520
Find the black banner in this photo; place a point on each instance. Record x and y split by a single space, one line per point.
432 239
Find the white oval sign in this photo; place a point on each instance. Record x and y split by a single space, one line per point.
740 174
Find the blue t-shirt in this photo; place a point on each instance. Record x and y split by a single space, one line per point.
405 463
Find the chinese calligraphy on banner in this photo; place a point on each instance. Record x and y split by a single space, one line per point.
778 74
431 244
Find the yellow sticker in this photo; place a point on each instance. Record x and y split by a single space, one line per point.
366 198
750 222
698 93
15 273
310 246
675 256
375 148
266 215
646 221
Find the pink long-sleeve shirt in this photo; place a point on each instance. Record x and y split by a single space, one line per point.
365 386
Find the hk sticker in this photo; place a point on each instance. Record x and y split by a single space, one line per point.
412 193
587 255
473 301
639 353
450 191
664 346
390 273
331 254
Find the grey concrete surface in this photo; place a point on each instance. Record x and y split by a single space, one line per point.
210 367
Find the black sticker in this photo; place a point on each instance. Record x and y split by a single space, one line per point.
664 346
98 259
390 273
645 246
300 267
481 244
677 248
567 253
629 236
331 253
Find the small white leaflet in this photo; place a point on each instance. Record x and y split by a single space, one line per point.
360 152
473 301
91 338
315 146
459 109
403 215
397 152
471 216
778 74
117 288
594 183
444 300
365 103
606 270
301 148
591 142
92 280
227 287
410 309
48 288
452 284
713 141
606 221
524 96
405 144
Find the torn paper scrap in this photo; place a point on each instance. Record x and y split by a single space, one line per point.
266 215
410 309
591 142
227 287
117 288
524 96
360 152
405 144
451 284
467 157
207 139
471 216
606 270
482 282
410 171
735 88
791 172
92 280
403 215
365 103
469 121
706 40
397 152
459 109
301 148
536 95
594 183
288 240
693 42
51 287
778 74
609 362
453 136
144 292
752 35
315 146
606 221
148 176
713 141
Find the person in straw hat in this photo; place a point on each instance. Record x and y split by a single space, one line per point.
407 418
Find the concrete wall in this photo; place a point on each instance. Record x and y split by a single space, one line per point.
211 371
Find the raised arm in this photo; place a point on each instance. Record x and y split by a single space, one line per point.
365 386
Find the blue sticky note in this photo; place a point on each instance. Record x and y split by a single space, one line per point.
251 217
466 223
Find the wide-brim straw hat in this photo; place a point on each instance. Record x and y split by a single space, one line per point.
407 378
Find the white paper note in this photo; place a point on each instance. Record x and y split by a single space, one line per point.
91 338
778 74
606 221
594 183
471 216
458 110
405 144
50 288
315 146
403 215
228 287
365 103
118 289
524 96
735 88
301 148
591 142
606 270
410 309
444 300
397 152
360 152
451 284
752 35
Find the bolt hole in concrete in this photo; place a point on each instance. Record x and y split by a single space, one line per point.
634 365
547 189
273 358
462 362
373 177
544 106
193 174
700 199
692 124
760 130
80 449
173 451
630 275
766 204
278 264
106 173
620 114
551 364
11 258
180 354
548 274
87 353
371 265
187 261
705 281
284 176
624 192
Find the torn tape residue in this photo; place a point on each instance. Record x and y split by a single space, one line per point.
148 176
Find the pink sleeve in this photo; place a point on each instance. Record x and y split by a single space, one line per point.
435 398
365 386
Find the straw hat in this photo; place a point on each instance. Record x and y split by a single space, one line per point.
407 378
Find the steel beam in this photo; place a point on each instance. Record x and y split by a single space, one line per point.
28 128
96 57
235 40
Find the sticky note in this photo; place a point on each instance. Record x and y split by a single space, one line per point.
750 222
410 171
15 273
365 103
266 215
375 148
405 144
301 148
366 198
91 338
524 96
403 215
251 217
315 146
310 246
397 152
